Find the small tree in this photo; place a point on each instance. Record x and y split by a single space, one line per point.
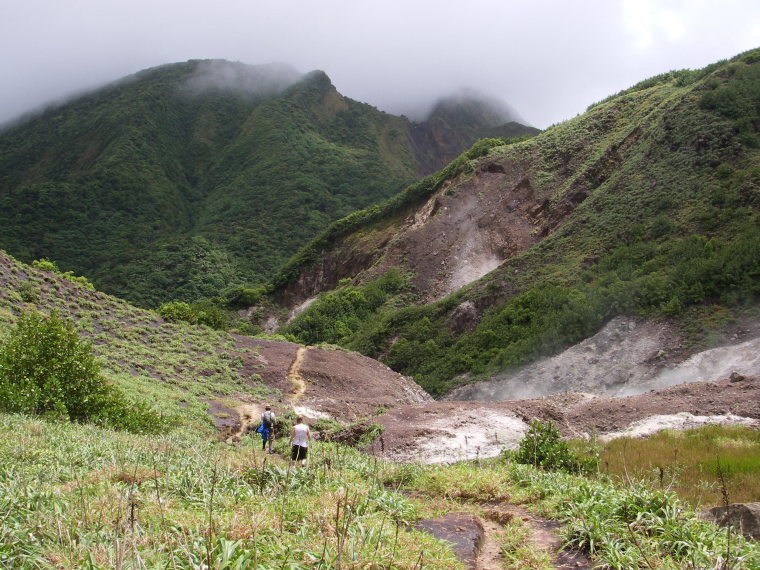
543 446
46 368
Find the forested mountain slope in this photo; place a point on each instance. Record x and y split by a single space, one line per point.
187 178
647 204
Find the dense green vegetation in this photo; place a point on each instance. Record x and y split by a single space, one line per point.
340 313
174 185
667 180
157 190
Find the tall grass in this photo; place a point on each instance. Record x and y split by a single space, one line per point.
691 463
76 496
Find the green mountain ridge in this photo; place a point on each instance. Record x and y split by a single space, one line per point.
187 178
647 205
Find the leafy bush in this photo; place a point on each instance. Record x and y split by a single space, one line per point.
27 292
543 447
210 314
242 297
176 311
45 368
203 312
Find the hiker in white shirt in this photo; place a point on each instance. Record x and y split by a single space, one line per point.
300 438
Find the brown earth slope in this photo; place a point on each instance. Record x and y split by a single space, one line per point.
449 431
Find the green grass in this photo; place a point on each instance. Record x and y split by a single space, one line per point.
80 497
697 464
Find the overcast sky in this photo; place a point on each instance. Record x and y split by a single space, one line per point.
549 59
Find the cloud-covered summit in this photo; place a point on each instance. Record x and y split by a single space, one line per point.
265 79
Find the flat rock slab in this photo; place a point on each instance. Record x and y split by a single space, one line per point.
744 517
463 530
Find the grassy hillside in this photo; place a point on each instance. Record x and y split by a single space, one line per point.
170 367
646 204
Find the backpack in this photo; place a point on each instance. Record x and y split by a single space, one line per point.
267 420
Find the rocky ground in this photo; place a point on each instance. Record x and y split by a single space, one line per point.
628 356
450 431
721 385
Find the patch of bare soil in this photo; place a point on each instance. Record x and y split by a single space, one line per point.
321 382
247 415
348 386
452 431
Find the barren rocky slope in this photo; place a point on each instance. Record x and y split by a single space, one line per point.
451 431
628 356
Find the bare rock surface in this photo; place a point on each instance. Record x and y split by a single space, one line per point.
452 431
464 531
744 517
628 356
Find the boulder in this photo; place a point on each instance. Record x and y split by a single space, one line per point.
744 517
463 530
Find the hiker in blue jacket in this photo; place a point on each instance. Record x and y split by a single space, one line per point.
266 429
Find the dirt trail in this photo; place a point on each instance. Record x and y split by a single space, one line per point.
294 375
544 537
489 556
248 414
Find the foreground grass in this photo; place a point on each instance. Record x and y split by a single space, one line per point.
81 497
74 496
620 527
699 465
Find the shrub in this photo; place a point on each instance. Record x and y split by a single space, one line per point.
242 297
27 292
209 314
45 265
45 368
175 311
543 446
